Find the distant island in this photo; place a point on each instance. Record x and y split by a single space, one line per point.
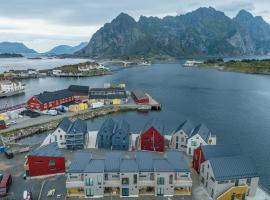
252 66
10 55
15 47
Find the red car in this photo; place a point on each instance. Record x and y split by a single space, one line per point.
5 183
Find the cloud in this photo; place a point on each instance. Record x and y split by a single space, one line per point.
69 21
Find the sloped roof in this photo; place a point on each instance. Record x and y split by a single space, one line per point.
155 123
79 89
129 165
203 131
49 150
144 160
64 124
123 124
162 165
187 127
78 126
95 166
234 167
139 94
80 162
112 161
46 96
177 161
213 151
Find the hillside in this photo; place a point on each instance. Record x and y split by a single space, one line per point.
66 49
15 47
203 32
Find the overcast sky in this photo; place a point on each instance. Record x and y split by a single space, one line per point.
43 24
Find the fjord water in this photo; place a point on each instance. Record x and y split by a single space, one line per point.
235 106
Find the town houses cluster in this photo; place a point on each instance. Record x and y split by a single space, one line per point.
146 163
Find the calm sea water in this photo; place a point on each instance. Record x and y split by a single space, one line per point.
235 106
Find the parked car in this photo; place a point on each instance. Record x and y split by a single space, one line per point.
27 195
9 154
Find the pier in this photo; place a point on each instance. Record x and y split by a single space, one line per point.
153 103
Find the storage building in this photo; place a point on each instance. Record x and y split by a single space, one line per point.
48 100
79 92
140 97
45 160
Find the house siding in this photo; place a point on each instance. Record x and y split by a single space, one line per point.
40 165
152 140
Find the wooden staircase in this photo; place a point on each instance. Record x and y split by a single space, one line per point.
237 191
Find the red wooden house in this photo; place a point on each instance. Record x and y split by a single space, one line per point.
206 152
140 97
151 138
45 160
48 100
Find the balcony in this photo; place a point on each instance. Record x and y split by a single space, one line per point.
184 182
145 183
112 183
237 192
74 184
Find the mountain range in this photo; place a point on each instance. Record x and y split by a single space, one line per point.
66 49
15 47
203 32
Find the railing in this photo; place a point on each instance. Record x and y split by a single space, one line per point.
111 183
186 182
238 191
74 184
146 183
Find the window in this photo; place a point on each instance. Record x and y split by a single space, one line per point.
61 137
248 181
106 177
223 182
89 182
207 176
212 179
51 162
125 181
89 192
152 176
202 168
160 180
171 179
99 179
177 138
202 180
135 179
193 143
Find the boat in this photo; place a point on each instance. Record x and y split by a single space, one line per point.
10 88
191 63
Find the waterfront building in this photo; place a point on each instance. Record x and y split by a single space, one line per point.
48 100
232 177
151 137
200 136
107 95
70 135
80 92
45 160
181 135
140 97
131 175
114 135
206 152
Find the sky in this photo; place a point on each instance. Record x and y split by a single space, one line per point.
43 24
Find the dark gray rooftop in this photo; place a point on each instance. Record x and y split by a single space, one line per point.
139 94
203 131
235 167
80 162
145 161
155 123
123 124
78 126
79 89
187 127
64 124
112 161
49 150
213 151
95 166
46 96
177 161
162 165
129 165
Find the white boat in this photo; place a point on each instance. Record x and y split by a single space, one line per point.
191 63
10 88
